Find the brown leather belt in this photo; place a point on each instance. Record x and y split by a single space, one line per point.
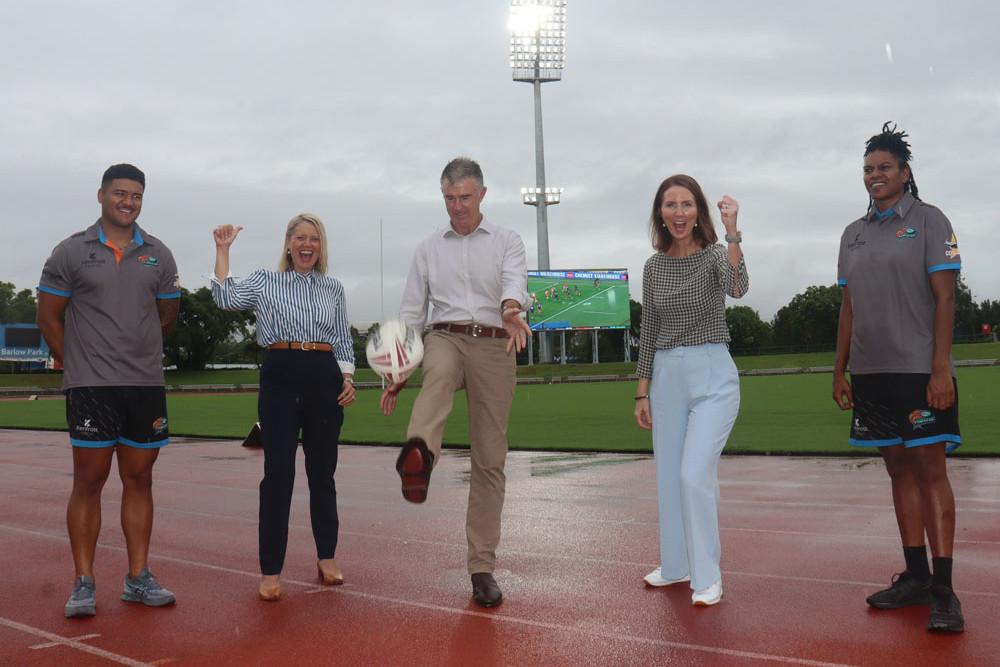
474 330
307 346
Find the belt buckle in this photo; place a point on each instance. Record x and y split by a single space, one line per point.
306 346
475 330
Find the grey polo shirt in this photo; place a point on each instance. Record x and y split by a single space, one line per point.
113 334
885 261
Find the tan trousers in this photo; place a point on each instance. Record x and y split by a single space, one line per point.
453 362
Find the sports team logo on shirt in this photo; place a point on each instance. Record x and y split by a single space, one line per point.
952 245
906 233
148 260
160 425
921 418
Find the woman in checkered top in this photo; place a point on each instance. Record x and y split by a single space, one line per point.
689 392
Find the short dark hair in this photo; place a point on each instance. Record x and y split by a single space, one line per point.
123 170
894 142
460 169
704 230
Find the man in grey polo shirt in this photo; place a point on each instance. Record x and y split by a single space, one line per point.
118 289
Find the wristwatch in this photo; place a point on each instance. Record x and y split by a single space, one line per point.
735 239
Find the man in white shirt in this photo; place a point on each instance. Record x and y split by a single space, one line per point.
473 275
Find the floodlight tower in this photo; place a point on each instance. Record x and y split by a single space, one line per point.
537 55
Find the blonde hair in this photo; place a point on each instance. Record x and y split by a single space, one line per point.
286 260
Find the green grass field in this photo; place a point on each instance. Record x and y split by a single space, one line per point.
582 306
783 414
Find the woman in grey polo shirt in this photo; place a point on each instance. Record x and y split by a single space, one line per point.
897 267
689 390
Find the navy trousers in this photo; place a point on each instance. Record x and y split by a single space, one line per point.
298 390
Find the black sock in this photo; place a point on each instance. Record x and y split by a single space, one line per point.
942 572
916 562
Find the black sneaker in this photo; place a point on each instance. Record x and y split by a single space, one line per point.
946 611
904 591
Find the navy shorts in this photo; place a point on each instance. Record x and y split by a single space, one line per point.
105 416
891 409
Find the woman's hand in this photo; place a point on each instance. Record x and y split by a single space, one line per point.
642 414
730 209
346 396
224 235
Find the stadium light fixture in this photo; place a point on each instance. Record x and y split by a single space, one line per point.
537 56
532 196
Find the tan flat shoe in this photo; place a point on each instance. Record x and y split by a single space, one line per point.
329 573
270 588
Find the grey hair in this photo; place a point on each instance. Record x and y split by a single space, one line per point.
460 169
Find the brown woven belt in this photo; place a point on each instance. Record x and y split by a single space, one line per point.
474 330
307 346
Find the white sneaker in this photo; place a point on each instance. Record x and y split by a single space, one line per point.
655 579
707 596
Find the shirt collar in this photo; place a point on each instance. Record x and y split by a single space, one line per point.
97 232
484 227
900 208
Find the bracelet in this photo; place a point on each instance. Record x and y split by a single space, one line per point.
735 239
639 398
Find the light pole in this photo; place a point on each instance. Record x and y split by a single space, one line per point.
537 55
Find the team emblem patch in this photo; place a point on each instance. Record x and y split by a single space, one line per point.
906 233
160 425
952 247
920 418
148 260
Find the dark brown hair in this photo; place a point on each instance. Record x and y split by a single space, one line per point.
704 231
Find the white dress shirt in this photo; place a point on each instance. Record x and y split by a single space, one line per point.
465 279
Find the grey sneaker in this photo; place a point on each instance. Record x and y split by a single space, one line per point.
147 590
83 600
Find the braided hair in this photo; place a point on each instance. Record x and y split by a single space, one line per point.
894 142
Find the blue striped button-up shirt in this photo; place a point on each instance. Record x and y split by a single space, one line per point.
292 307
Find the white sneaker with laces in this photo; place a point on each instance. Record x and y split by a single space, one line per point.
654 578
708 596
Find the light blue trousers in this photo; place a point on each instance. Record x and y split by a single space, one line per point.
694 400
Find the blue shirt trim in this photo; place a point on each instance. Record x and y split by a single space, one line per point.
136 236
945 267
170 295
42 288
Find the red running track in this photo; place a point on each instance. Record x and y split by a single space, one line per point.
804 541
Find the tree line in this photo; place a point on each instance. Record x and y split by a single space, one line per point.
206 334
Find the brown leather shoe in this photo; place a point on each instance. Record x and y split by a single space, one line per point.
270 588
329 573
485 590
414 467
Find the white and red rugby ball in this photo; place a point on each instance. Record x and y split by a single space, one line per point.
394 350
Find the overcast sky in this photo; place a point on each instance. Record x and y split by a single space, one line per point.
250 112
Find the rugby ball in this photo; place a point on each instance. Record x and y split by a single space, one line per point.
394 350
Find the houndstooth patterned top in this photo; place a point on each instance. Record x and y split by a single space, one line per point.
684 301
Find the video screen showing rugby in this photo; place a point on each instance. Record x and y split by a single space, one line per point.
578 299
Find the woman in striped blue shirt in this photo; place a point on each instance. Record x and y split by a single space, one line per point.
305 383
